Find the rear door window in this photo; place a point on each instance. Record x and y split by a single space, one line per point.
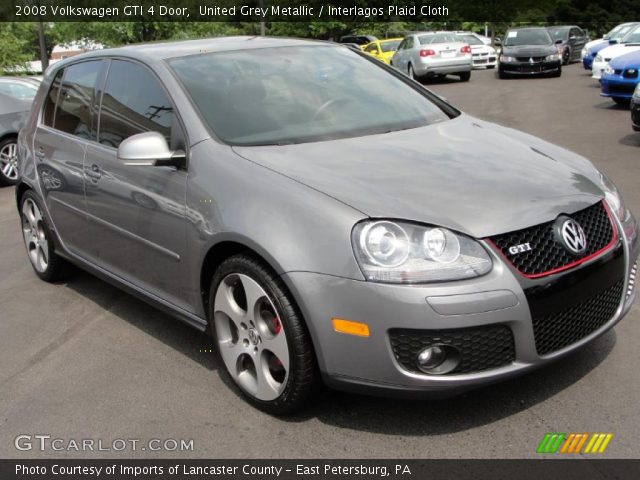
74 105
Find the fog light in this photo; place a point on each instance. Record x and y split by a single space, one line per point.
431 358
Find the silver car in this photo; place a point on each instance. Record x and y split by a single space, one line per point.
422 55
326 219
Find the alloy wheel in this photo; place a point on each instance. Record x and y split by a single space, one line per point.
9 160
251 338
35 236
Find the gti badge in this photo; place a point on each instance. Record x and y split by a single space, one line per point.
572 235
523 247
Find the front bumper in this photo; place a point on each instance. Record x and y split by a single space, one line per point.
617 86
501 298
527 68
635 114
485 60
597 69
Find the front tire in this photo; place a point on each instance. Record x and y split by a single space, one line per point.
566 56
9 161
38 240
262 340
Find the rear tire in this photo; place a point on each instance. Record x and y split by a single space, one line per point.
465 76
9 161
38 239
412 73
263 344
566 56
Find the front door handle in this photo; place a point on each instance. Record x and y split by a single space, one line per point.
94 172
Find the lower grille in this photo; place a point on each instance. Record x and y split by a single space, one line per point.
622 88
481 348
558 330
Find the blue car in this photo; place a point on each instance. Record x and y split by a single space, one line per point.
614 36
620 78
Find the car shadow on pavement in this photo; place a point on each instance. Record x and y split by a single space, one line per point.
632 140
358 412
174 333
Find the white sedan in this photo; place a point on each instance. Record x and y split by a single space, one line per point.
482 55
630 43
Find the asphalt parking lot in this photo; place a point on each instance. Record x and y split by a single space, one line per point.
82 360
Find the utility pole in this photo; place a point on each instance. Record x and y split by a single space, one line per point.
44 58
262 26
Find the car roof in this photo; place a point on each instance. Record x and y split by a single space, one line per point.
184 48
527 28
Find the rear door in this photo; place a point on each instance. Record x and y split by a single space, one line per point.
137 213
66 128
577 39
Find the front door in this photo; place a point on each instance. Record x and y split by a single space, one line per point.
137 212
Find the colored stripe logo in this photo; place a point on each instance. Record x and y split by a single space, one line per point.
574 443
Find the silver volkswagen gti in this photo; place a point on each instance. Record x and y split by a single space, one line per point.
326 219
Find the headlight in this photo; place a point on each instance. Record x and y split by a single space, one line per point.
598 58
399 252
506 59
636 92
584 52
613 198
608 70
552 58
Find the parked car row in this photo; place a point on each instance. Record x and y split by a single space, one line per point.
16 95
614 60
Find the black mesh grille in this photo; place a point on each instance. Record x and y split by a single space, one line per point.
481 348
527 59
546 252
561 329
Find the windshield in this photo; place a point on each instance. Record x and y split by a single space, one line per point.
470 39
516 38
559 33
285 95
633 36
18 90
437 38
622 31
390 46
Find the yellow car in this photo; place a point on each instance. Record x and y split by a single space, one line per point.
383 50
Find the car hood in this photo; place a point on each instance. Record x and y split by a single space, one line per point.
482 48
597 45
627 60
465 174
529 50
616 50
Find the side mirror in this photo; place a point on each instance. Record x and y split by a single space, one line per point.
612 41
497 42
375 51
149 149
559 41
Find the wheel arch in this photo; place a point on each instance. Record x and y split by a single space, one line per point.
221 250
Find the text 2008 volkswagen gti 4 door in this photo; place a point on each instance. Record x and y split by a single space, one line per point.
327 219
